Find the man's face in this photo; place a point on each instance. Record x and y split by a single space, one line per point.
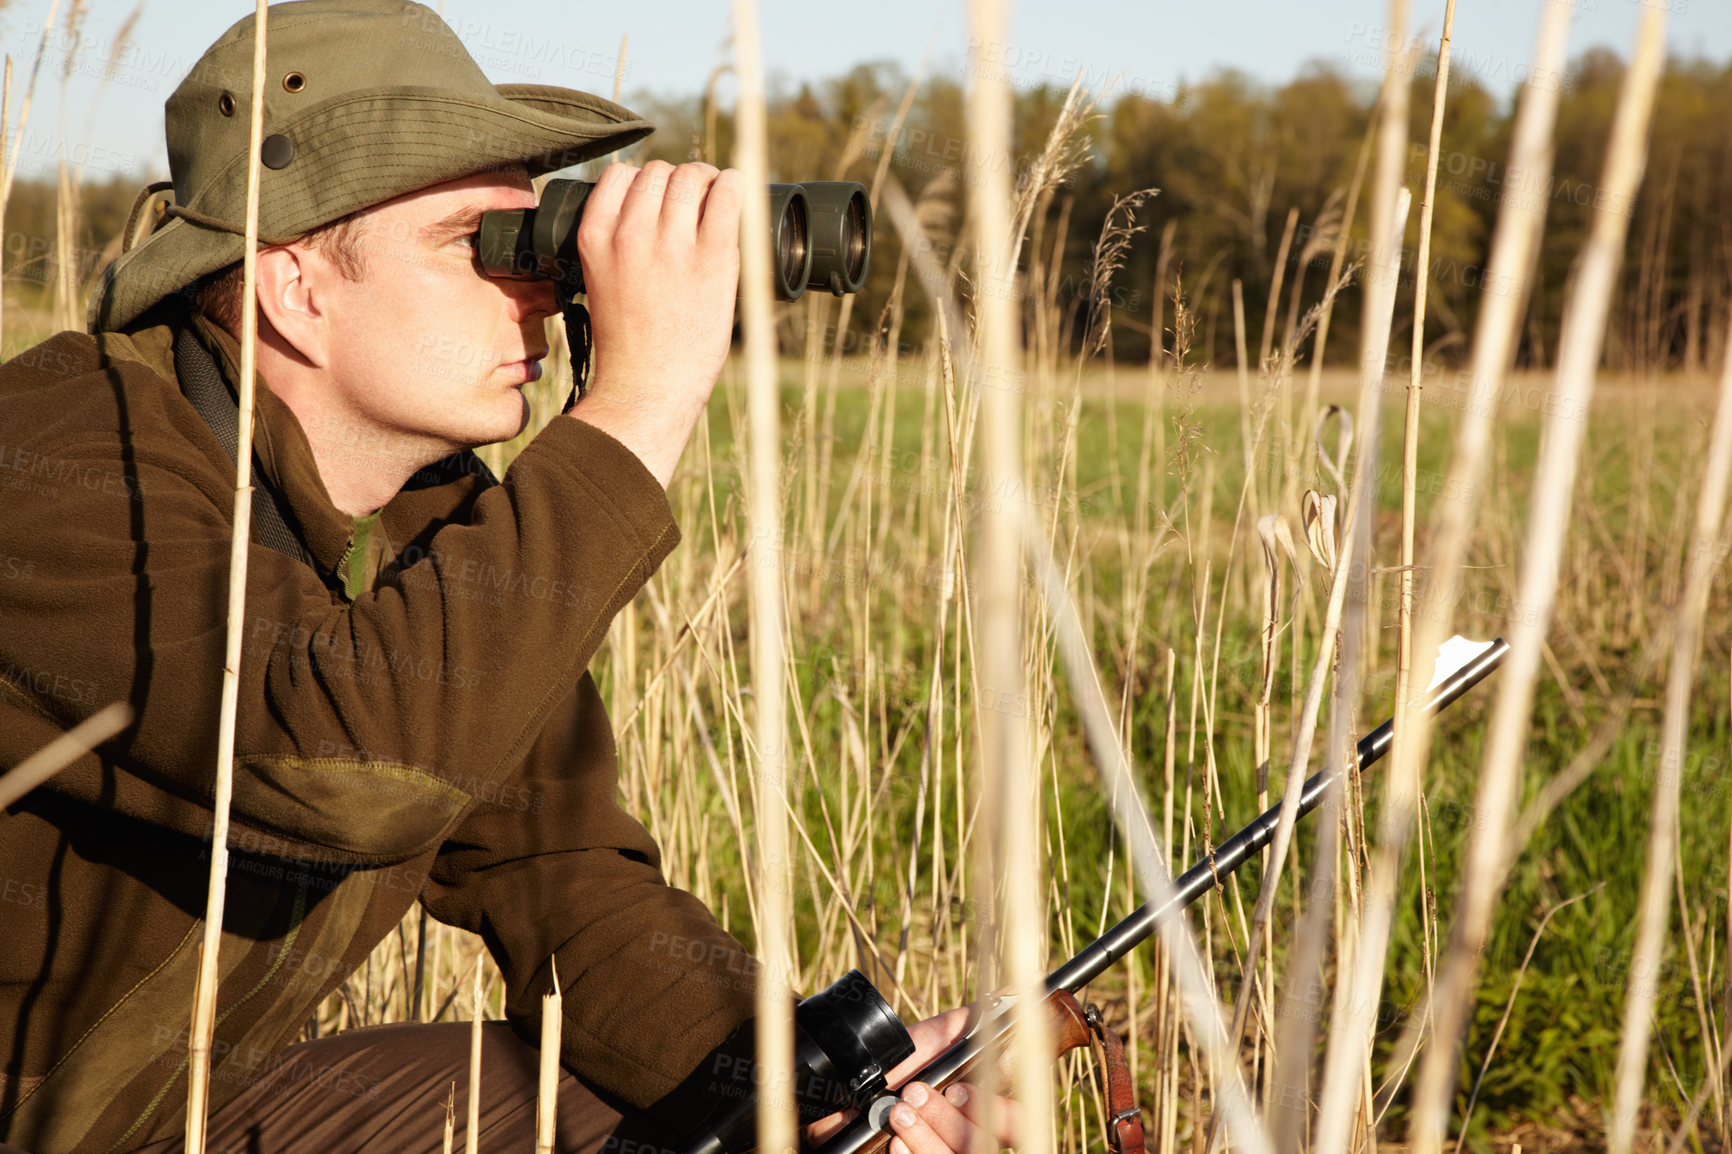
426 350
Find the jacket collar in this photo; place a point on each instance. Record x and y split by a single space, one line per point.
283 456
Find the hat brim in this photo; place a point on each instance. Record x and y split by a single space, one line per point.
370 147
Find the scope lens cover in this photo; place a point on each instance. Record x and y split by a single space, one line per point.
858 1032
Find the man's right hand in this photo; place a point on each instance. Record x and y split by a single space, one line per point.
661 263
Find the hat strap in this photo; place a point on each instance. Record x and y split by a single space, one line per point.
130 237
204 220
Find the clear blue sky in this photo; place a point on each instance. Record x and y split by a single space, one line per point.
1149 45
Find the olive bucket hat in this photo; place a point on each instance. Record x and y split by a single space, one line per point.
366 100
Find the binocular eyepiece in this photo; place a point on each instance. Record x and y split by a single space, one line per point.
820 237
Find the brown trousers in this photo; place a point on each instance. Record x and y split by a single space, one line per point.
383 1090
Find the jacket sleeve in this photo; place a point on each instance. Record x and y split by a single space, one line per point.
553 868
363 729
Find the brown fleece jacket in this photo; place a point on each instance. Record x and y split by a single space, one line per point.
436 738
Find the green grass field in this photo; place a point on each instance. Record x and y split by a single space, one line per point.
864 656
1164 561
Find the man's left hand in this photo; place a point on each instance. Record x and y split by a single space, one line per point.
925 1121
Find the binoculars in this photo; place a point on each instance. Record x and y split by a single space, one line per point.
820 237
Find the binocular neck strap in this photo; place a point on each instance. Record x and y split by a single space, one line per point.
577 340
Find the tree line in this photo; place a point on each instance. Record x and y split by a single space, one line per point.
1252 181
1235 160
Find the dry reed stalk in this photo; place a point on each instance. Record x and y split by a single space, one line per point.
619 65
1118 784
1278 276
1337 261
1709 1035
818 464
1686 1127
1142 546
1410 435
472 1127
66 195
1324 233
1249 449
5 119
1347 1068
1655 910
1509 1007
547 1089
450 1134
1271 531
1009 861
205 992
1507 733
9 165
1513 246
65 222
1410 446
777 1123
5 182
1360 974
820 456
1305 732
63 751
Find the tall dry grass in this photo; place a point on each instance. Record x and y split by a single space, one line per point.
203 1023
778 1123
912 662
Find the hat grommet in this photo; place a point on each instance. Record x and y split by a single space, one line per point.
294 82
277 151
226 103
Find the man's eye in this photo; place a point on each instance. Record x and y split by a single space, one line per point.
469 242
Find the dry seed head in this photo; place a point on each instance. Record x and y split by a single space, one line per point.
1324 230
1110 252
74 30
122 39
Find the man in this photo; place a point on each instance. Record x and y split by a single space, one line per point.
415 719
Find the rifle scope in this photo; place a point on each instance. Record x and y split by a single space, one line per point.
820 237
847 1039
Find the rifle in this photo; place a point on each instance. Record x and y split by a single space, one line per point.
848 1037
871 1130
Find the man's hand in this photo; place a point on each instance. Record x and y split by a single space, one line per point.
661 262
925 1121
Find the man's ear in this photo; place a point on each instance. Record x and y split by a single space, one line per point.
291 304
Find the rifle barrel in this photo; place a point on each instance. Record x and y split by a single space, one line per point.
1233 853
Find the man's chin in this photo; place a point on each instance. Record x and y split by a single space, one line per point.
503 429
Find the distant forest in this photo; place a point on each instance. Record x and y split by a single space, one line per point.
1234 160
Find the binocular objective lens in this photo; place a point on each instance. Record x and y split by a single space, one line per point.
856 233
792 249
